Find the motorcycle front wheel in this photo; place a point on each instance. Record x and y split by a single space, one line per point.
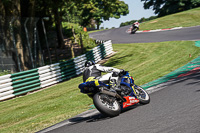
106 104
133 30
143 96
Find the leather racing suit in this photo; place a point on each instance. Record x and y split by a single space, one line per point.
96 72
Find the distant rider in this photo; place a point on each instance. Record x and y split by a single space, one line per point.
136 24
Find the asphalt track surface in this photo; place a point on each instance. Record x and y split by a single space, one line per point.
174 106
119 35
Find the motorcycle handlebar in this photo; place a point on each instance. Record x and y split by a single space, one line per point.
121 73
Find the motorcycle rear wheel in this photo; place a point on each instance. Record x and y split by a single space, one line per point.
107 105
143 96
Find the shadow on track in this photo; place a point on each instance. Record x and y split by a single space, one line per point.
92 118
98 116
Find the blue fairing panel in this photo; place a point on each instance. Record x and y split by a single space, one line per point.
84 87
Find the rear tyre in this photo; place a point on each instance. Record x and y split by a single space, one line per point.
107 105
143 96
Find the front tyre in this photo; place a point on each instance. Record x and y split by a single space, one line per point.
107 105
134 30
143 96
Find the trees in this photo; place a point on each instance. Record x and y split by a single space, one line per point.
84 10
99 10
140 21
165 7
10 11
109 9
28 12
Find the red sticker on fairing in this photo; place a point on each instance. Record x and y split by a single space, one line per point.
130 101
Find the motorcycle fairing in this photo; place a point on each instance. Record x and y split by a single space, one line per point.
86 87
130 100
128 80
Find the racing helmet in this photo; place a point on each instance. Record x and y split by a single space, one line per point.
89 63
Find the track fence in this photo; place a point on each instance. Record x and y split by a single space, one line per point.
16 84
30 42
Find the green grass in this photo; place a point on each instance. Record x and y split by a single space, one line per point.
149 61
184 19
4 72
96 30
44 108
145 61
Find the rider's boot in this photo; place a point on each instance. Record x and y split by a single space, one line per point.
113 85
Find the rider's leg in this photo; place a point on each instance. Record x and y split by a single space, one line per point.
114 84
105 78
112 81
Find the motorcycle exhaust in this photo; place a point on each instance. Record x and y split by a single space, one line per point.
114 94
108 93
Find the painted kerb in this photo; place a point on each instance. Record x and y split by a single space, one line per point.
12 85
191 66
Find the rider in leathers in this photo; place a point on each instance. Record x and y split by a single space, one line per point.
94 70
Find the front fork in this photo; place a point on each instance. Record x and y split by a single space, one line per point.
134 91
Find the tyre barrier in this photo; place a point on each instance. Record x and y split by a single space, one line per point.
16 84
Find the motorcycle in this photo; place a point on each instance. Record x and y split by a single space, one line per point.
135 27
110 102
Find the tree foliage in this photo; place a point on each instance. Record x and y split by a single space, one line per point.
82 12
87 10
109 9
140 21
166 7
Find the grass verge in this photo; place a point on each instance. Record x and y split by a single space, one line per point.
182 19
4 72
145 61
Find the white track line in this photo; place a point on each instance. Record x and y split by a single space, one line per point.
175 28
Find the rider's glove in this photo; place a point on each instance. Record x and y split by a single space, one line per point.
122 72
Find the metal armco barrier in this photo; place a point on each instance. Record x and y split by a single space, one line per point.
12 85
